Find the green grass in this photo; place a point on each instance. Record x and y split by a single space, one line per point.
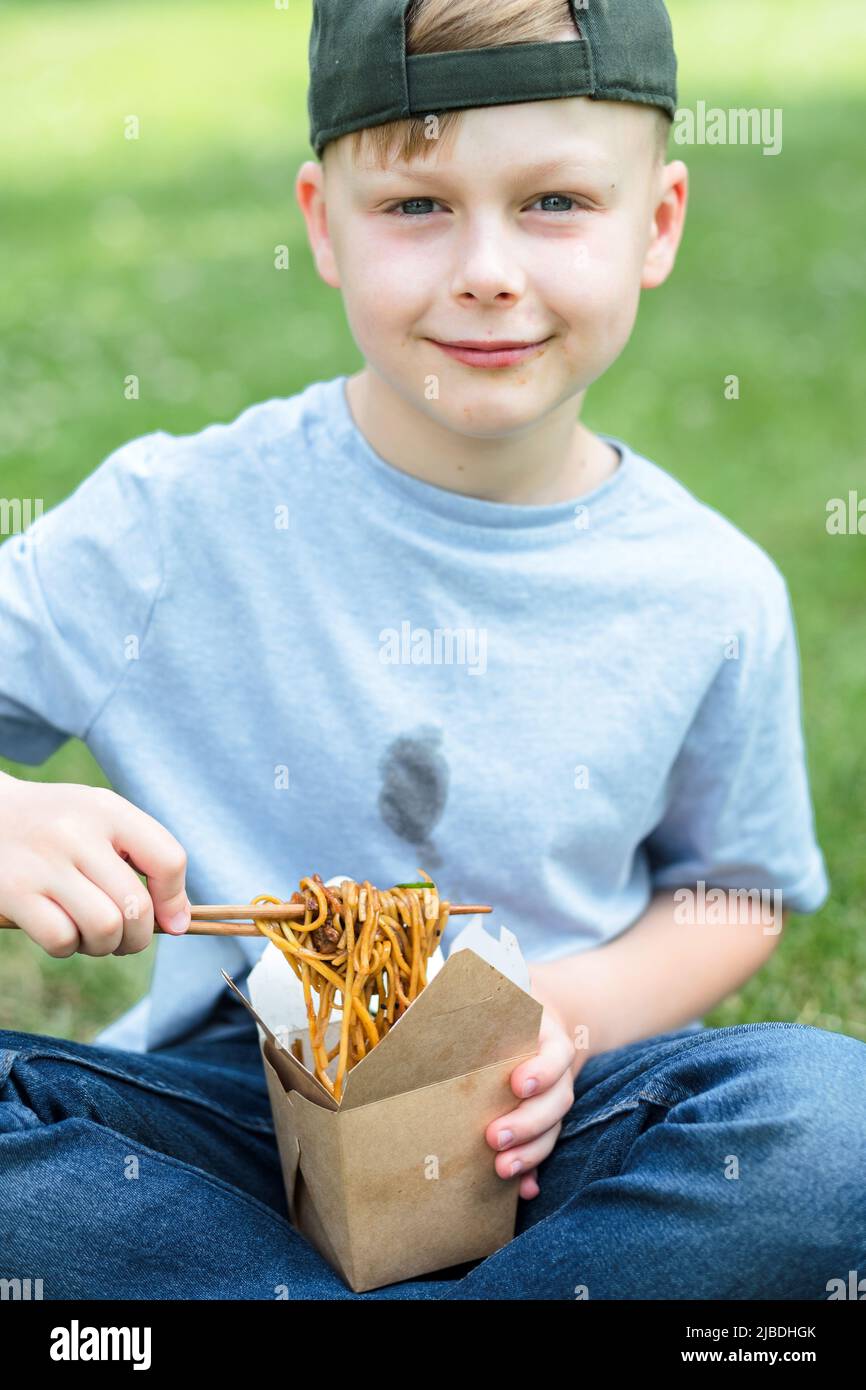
155 257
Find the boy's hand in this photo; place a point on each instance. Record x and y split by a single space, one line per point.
535 1124
68 861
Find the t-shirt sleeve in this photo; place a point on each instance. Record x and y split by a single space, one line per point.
77 589
738 807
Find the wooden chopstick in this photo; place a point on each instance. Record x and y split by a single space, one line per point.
204 917
280 912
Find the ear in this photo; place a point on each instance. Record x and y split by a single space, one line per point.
310 193
671 195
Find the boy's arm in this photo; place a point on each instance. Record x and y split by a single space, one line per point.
737 816
659 974
75 586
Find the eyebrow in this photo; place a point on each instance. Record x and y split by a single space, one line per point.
571 163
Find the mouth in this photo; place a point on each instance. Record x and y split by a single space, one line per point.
491 354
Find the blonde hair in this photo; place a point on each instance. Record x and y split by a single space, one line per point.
437 26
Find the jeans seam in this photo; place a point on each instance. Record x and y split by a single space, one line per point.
629 1102
145 1083
674 1093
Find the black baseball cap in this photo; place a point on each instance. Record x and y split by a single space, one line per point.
361 75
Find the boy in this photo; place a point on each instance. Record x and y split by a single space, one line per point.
616 743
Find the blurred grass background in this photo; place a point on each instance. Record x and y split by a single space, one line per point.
156 256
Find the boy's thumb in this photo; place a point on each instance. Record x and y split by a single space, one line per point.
154 852
173 914
170 903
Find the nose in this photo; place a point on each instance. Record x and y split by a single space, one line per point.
487 270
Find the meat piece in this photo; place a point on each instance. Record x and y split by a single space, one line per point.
326 937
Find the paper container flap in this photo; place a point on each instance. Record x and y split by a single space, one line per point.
466 1018
239 994
293 1075
283 1114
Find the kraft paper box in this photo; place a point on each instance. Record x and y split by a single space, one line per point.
397 1180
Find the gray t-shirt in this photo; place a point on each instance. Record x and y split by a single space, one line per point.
300 659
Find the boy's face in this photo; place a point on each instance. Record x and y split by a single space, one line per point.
480 243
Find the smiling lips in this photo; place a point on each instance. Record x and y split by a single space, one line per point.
492 354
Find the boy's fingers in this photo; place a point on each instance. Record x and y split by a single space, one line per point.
46 923
529 1187
160 857
104 867
527 1156
555 1054
97 918
533 1117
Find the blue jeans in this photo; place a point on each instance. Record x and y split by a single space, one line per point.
720 1164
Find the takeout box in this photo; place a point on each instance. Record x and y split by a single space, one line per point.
397 1180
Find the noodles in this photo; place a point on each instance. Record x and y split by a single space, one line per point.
355 945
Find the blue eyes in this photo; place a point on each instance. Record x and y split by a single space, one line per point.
413 203
421 207
562 198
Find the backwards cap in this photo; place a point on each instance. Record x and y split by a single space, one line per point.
361 74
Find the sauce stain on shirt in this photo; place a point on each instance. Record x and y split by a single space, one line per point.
415 777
